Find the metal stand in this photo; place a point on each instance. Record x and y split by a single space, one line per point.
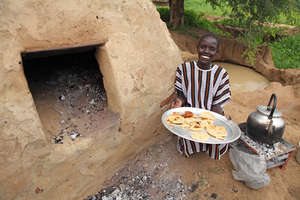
276 155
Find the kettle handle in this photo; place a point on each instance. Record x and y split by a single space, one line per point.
273 97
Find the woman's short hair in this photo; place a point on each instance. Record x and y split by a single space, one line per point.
209 35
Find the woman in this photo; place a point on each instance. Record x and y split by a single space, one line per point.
203 85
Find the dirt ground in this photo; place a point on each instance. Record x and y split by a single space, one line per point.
170 175
160 172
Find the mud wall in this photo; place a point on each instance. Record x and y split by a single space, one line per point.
232 51
135 59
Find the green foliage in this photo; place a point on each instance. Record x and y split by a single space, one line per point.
191 19
164 13
286 52
200 6
205 7
252 16
249 11
293 18
256 36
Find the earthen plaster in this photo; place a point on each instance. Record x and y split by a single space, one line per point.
135 59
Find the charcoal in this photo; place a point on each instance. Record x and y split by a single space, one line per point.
62 97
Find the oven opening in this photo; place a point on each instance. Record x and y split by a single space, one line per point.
68 92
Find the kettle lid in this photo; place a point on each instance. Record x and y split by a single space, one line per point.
266 110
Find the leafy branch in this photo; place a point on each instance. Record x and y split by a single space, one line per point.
253 16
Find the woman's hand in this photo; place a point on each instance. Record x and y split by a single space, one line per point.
217 109
176 103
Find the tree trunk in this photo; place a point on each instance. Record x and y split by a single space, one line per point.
176 13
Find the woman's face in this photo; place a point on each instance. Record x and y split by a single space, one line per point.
207 49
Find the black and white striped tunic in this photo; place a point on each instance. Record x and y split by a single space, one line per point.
202 89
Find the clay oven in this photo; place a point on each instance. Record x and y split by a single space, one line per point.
135 56
68 91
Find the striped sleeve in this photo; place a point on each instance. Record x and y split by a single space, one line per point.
179 79
223 94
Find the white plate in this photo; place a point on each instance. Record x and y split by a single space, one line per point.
233 131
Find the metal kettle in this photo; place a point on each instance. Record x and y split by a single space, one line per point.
266 124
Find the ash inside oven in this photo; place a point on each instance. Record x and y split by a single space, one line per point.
69 94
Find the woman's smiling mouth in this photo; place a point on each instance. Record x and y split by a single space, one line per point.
205 57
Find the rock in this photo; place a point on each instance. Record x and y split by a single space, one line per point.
213 195
145 178
116 191
92 102
193 187
234 189
62 97
58 139
122 187
38 190
74 134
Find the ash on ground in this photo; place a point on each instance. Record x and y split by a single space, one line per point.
68 92
141 186
151 181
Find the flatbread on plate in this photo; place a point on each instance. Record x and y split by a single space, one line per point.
201 126
200 136
207 115
196 126
218 132
175 119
